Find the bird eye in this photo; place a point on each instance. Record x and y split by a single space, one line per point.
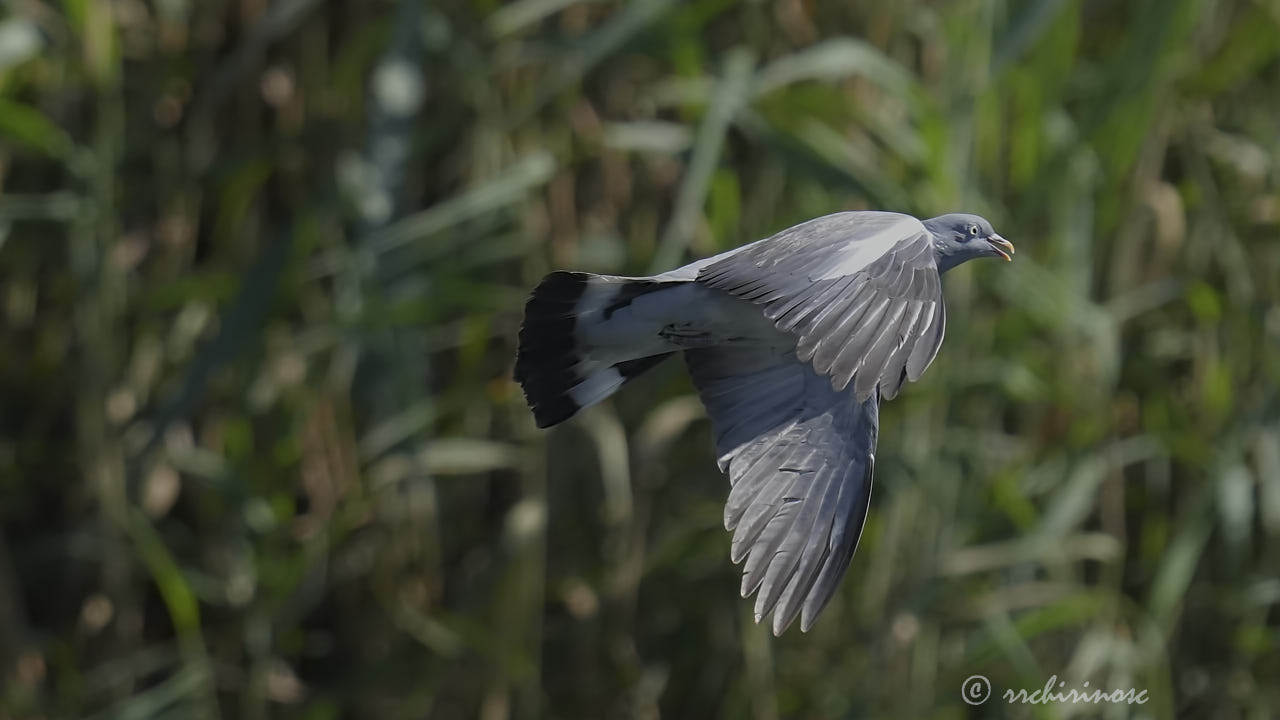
973 230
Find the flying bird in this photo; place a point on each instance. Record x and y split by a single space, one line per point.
792 342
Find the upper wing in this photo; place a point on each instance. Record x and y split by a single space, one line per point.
860 289
800 457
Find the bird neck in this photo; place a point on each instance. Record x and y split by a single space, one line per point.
945 255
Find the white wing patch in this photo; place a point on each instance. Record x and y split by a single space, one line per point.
885 230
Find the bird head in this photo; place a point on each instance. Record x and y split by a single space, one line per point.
959 237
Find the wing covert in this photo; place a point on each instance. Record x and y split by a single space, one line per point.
861 291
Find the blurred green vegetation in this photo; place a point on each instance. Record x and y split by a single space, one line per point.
262 263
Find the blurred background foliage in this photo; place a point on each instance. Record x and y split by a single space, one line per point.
262 263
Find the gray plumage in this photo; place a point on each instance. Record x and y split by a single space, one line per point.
792 342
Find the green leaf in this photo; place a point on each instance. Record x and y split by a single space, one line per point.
28 126
836 60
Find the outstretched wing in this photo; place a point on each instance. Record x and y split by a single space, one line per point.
800 457
861 291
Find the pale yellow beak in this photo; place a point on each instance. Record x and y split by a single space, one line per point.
1002 246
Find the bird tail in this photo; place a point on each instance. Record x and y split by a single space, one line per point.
575 346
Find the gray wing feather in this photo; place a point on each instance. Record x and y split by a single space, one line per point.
924 352
896 365
859 290
799 456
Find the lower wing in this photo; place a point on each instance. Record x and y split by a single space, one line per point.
800 457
